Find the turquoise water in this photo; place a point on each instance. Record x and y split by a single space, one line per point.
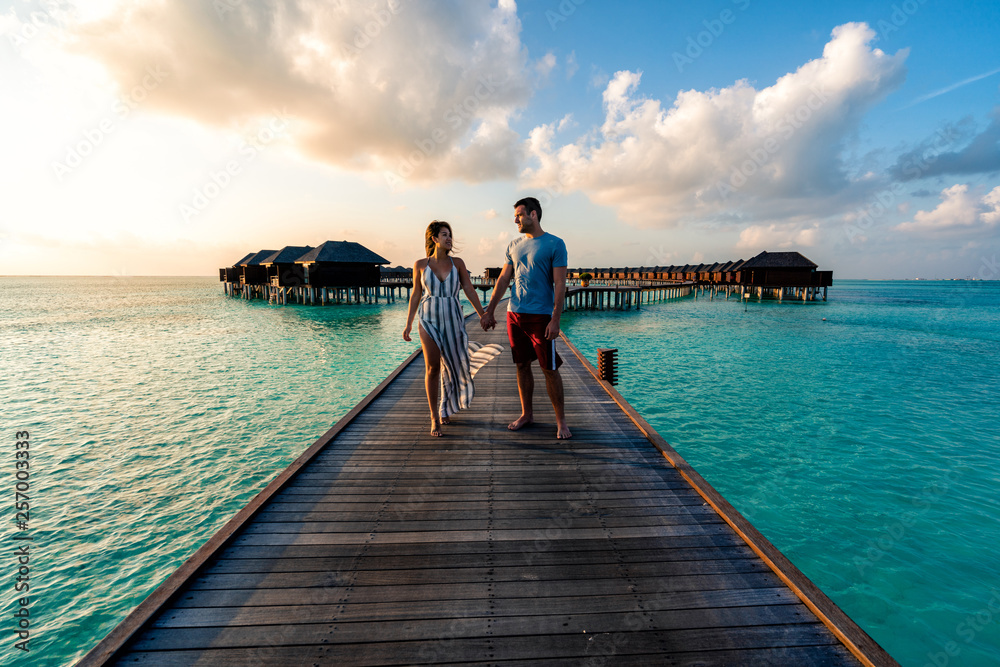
863 446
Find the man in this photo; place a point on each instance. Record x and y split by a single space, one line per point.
536 262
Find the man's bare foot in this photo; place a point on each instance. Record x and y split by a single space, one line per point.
436 429
520 422
563 433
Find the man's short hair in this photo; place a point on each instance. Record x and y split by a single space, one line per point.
530 204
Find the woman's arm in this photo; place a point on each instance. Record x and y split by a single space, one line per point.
470 291
418 288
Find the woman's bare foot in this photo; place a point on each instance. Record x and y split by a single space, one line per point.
436 429
445 420
563 433
520 422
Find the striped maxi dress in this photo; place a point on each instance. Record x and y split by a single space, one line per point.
440 315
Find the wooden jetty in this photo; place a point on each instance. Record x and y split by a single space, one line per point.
382 545
624 297
332 272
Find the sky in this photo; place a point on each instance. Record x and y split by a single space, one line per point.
173 137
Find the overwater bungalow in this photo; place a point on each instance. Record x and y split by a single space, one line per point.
732 274
396 273
246 277
782 274
777 274
341 264
282 271
231 274
254 273
333 272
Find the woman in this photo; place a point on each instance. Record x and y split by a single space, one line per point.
445 343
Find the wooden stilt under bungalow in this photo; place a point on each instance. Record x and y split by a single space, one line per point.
383 545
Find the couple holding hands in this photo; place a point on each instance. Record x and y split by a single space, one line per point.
536 265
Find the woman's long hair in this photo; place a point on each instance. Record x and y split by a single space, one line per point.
433 230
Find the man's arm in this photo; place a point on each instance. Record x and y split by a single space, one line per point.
489 320
559 288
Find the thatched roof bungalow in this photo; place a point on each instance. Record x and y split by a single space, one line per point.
231 274
341 264
783 269
282 271
251 270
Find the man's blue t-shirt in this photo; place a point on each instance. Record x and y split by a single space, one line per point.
531 290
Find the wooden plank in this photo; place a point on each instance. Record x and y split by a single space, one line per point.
338 591
793 617
499 535
288 513
389 562
458 574
418 500
528 550
438 524
656 644
418 609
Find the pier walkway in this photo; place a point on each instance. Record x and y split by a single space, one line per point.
382 545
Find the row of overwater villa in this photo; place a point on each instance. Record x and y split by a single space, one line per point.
347 272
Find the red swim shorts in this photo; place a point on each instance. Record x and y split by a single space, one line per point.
526 332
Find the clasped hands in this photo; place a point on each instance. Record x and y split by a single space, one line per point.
487 321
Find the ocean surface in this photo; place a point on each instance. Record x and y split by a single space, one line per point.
859 435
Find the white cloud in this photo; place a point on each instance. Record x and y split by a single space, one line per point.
992 200
959 211
421 89
491 246
545 65
571 65
490 214
598 77
767 153
784 236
